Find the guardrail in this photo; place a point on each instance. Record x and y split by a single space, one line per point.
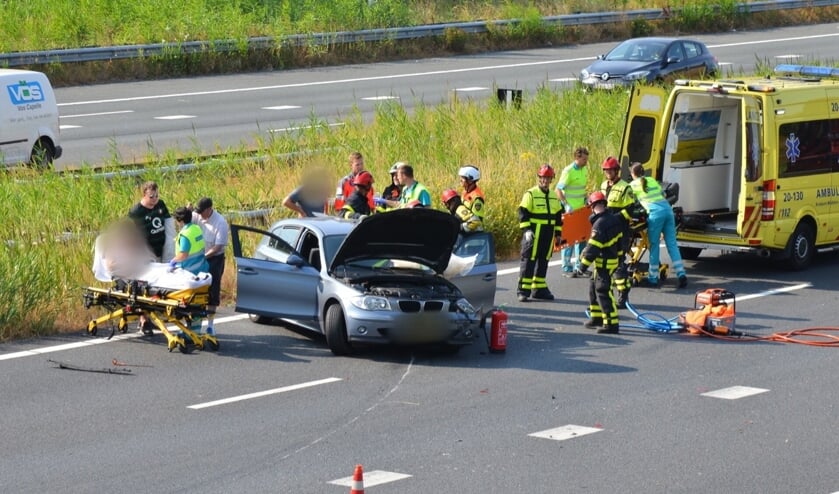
368 35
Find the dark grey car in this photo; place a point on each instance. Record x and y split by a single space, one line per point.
379 280
649 60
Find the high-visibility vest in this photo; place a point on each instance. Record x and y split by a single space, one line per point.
195 261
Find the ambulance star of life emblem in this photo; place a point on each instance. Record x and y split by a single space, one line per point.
793 152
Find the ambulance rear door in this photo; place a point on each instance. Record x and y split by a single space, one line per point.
751 175
642 136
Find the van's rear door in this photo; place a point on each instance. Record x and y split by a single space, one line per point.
751 177
642 135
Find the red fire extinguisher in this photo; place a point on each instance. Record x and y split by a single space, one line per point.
498 332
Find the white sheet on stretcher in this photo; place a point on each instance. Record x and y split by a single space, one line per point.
155 273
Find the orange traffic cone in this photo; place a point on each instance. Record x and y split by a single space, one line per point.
357 481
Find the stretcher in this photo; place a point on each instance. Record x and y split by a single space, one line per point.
576 228
639 244
165 297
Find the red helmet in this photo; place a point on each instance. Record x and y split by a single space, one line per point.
546 171
596 197
364 178
610 163
448 195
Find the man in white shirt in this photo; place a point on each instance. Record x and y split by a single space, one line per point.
216 231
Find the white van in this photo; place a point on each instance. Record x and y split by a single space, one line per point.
28 119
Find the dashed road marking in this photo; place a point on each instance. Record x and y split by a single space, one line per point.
260 394
372 478
734 392
570 431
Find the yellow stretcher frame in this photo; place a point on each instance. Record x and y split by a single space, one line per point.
126 301
638 246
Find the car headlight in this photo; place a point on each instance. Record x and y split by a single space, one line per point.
369 302
635 76
584 74
464 306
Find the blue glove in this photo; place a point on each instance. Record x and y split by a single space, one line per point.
173 264
380 201
568 208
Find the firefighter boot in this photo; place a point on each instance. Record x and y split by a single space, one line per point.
542 294
523 296
594 323
623 298
609 329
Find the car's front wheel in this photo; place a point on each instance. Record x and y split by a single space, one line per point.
335 330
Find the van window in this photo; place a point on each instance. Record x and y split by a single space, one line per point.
753 161
806 147
640 143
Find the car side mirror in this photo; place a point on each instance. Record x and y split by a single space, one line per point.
295 260
673 60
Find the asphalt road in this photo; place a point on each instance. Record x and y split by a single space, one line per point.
622 413
131 122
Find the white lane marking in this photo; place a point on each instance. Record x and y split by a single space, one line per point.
174 117
99 341
563 79
99 114
734 392
405 76
260 394
372 478
565 432
65 127
470 89
379 98
280 107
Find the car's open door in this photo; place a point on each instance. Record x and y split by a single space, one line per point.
478 284
272 279
642 133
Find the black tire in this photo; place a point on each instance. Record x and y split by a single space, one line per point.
801 247
257 319
690 253
213 345
335 330
43 154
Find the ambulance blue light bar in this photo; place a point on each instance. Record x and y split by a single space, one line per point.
807 70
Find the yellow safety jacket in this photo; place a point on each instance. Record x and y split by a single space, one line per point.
195 261
541 212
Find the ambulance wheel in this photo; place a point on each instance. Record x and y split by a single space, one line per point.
91 328
801 247
690 253
335 330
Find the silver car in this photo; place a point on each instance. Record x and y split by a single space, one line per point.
379 280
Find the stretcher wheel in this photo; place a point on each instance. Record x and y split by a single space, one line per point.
91 328
184 348
123 325
213 345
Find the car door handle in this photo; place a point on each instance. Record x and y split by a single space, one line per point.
489 277
246 271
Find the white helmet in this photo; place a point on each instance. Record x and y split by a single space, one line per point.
470 172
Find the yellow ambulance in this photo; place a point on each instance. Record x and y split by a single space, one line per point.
755 160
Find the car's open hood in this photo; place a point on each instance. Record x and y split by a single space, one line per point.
421 235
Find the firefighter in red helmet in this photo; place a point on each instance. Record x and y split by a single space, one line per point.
540 219
469 221
602 251
620 200
357 206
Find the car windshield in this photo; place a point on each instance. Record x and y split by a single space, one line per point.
330 246
637 51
